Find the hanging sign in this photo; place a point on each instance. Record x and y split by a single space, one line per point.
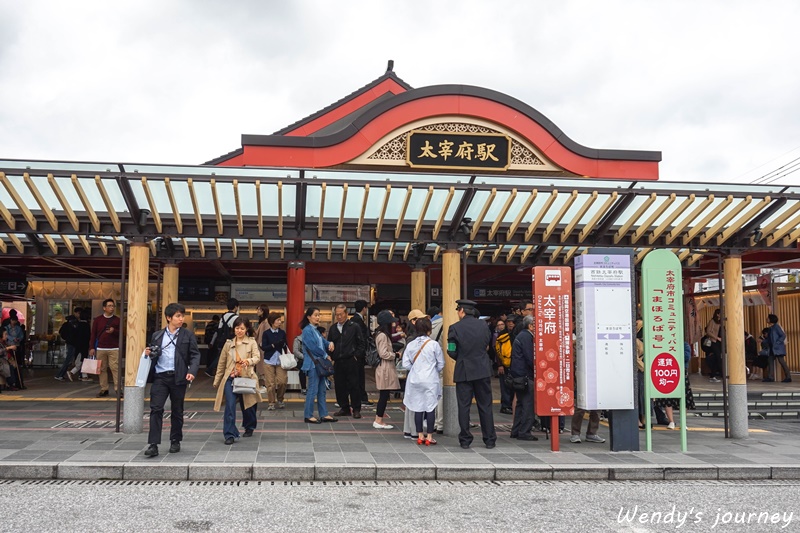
466 151
554 389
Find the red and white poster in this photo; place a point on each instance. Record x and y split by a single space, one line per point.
765 289
554 390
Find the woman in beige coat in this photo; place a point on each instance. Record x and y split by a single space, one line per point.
238 358
386 373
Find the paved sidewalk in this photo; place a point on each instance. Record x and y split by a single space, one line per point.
57 430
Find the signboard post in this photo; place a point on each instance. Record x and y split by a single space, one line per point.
662 306
605 344
554 390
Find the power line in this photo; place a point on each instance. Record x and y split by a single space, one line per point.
781 171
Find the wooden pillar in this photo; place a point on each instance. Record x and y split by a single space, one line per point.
733 331
295 298
135 334
169 288
451 291
418 289
136 321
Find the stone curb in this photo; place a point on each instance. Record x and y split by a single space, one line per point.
90 471
28 470
392 472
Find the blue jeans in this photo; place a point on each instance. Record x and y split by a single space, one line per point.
71 352
506 394
315 391
249 417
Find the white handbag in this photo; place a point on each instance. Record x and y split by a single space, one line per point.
244 386
287 360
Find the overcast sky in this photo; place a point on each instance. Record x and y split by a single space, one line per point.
713 85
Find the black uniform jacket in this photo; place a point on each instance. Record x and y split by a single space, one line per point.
467 341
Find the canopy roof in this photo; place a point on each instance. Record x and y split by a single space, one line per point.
65 210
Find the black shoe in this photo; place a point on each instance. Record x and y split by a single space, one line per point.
492 445
229 441
356 414
151 451
787 380
342 412
312 421
329 419
527 437
767 380
440 432
175 447
102 393
514 436
209 375
506 410
248 433
465 446
367 402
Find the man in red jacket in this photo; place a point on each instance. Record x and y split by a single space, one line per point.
104 343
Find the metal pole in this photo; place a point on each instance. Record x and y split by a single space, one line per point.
464 274
120 375
723 355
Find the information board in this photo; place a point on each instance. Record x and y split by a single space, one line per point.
554 392
604 326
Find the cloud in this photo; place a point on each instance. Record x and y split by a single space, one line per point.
712 85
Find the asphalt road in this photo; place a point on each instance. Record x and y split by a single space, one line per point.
110 506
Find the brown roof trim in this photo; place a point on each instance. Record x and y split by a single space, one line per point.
439 90
390 75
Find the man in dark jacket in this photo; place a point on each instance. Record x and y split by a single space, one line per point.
176 365
360 320
467 342
347 342
522 367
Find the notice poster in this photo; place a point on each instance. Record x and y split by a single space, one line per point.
605 344
662 306
554 389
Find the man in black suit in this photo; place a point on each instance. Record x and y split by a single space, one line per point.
360 320
347 343
467 342
175 366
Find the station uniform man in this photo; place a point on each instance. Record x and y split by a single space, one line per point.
467 342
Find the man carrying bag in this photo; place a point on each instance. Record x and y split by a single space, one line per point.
175 360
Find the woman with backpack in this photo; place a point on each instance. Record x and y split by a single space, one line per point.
776 343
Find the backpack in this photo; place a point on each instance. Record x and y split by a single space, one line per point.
503 349
224 331
372 358
67 331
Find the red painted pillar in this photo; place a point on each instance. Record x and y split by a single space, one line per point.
295 298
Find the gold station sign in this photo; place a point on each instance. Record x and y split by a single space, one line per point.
460 151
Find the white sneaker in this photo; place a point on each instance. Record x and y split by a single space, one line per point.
271 407
576 439
595 438
671 425
382 426
281 405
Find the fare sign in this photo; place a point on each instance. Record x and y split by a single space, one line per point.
665 373
554 390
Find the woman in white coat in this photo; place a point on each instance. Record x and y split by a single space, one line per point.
424 360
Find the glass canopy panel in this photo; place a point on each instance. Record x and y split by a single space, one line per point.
533 182
789 205
709 188
211 172
387 177
59 166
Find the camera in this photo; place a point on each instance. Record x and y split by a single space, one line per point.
155 350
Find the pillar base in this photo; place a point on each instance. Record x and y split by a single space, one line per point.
737 407
450 405
133 410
